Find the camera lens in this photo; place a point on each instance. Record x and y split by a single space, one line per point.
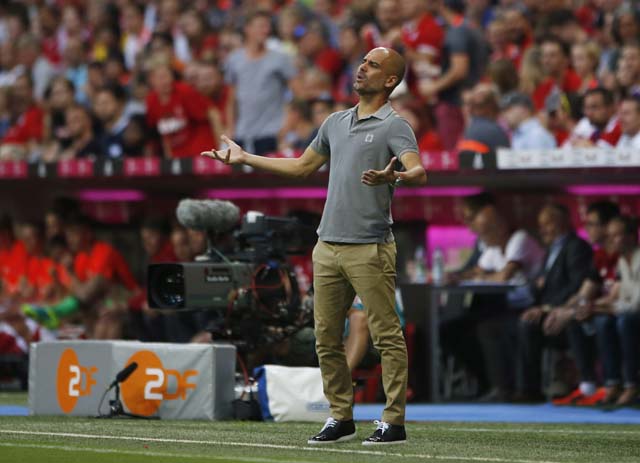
166 288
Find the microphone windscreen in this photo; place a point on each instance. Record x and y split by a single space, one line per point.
208 214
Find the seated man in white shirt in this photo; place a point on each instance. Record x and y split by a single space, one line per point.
629 115
511 256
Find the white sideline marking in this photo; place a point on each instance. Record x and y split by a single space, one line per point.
545 431
271 446
66 448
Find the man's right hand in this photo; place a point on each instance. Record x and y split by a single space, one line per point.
533 315
234 154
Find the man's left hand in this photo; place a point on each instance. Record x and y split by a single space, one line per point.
380 177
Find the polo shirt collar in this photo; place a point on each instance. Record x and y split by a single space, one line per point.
382 113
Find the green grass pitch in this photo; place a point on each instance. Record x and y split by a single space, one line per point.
70 440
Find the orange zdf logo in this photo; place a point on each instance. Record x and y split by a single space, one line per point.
73 380
151 383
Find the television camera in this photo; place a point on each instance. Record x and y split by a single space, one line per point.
243 280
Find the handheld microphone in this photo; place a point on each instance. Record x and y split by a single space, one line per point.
124 374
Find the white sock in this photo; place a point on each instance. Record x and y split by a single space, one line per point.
587 388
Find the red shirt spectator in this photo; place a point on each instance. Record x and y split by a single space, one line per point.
570 83
177 111
28 127
424 35
103 259
12 259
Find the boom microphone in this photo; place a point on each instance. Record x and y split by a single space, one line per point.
124 374
211 215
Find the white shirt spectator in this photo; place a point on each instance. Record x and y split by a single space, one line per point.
584 130
629 296
628 141
521 248
532 135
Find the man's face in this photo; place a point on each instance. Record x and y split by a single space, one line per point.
162 80
258 29
209 80
388 14
31 239
371 75
615 236
151 241
595 229
76 238
553 60
77 121
181 248
596 110
629 115
549 227
106 107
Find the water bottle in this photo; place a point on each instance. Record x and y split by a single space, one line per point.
437 267
418 257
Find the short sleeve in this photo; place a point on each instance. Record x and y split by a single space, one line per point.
320 144
401 138
230 75
517 247
457 40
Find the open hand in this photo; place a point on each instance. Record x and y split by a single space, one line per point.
379 177
232 155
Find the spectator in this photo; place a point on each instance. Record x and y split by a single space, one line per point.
386 29
96 276
83 141
471 206
60 96
562 112
565 267
585 58
176 111
136 139
32 63
12 254
259 78
24 136
321 108
352 50
202 42
504 75
483 135
5 112
464 55
510 256
76 67
314 48
600 125
628 72
629 115
135 34
620 324
598 285
112 113
421 122
527 131
210 83
168 17
564 25
298 129
555 62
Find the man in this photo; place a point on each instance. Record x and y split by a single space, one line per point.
555 60
526 130
510 256
110 107
259 78
464 55
176 111
484 134
355 252
629 115
565 267
600 126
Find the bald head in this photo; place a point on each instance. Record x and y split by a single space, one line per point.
491 227
382 69
394 63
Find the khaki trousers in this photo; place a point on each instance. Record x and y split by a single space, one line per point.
339 272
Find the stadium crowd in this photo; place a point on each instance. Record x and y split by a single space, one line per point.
108 79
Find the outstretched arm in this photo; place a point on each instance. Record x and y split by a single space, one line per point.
414 175
305 165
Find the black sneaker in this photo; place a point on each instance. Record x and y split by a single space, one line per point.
334 431
386 434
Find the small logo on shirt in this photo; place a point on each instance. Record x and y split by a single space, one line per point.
368 138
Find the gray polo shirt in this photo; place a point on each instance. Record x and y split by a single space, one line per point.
353 211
